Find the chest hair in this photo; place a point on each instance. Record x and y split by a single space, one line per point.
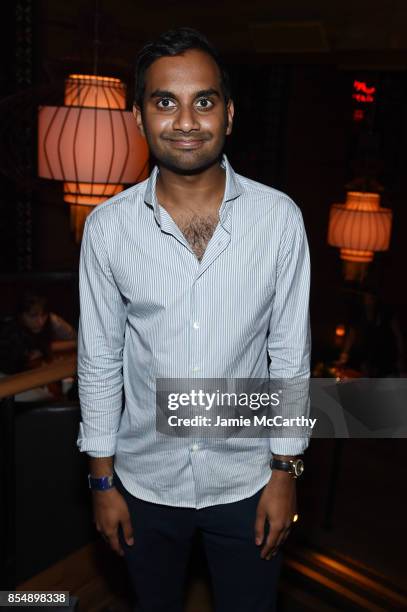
198 230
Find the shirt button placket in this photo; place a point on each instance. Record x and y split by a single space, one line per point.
195 367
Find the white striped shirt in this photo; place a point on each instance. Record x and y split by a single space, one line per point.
150 309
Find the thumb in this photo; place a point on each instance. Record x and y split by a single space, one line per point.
127 531
259 526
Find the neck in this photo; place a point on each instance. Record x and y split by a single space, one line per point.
200 191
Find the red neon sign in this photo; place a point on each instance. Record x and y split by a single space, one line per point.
358 114
361 86
362 98
363 93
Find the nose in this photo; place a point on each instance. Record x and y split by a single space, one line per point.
186 120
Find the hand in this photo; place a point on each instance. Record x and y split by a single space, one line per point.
110 510
34 354
277 504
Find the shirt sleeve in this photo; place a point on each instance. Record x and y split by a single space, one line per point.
100 346
289 340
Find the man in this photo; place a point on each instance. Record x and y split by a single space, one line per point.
195 273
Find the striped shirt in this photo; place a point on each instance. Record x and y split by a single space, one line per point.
150 309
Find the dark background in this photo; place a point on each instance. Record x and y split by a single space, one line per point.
292 65
292 88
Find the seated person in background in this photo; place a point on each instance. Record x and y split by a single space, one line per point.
34 334
374 342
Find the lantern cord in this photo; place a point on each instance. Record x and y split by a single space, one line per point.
96 39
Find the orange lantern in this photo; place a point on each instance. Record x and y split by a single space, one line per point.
91 143
360 226
340 330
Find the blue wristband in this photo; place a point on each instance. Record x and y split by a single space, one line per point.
100 484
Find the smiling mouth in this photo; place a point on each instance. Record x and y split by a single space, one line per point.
186 143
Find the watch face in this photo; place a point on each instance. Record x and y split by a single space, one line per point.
298 467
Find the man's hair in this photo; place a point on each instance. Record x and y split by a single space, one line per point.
176 42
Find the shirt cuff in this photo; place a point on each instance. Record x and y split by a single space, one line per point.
96 446
289 446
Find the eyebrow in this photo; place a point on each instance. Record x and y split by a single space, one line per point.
162 93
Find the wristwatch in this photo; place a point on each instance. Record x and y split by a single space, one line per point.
100 484
295 467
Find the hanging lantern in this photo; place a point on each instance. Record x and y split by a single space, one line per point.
91 143
359 227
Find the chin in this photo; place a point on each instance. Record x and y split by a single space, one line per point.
187 163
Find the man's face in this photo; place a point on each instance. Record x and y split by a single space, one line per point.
184 118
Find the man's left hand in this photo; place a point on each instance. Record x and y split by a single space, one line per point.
277 505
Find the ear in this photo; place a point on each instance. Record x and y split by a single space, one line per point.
230 111
139 119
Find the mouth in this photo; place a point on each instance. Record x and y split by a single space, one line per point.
185 143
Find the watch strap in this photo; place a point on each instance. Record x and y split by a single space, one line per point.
295 467
100 484
278 464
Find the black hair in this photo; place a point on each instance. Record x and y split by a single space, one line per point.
17 340
176 42
29 299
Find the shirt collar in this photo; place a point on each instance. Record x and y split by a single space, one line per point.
233 189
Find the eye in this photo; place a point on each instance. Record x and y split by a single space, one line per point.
165 103
204 103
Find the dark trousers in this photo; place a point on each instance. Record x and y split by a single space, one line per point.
163 535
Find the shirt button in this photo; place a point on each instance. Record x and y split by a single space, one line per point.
194 447
196 325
